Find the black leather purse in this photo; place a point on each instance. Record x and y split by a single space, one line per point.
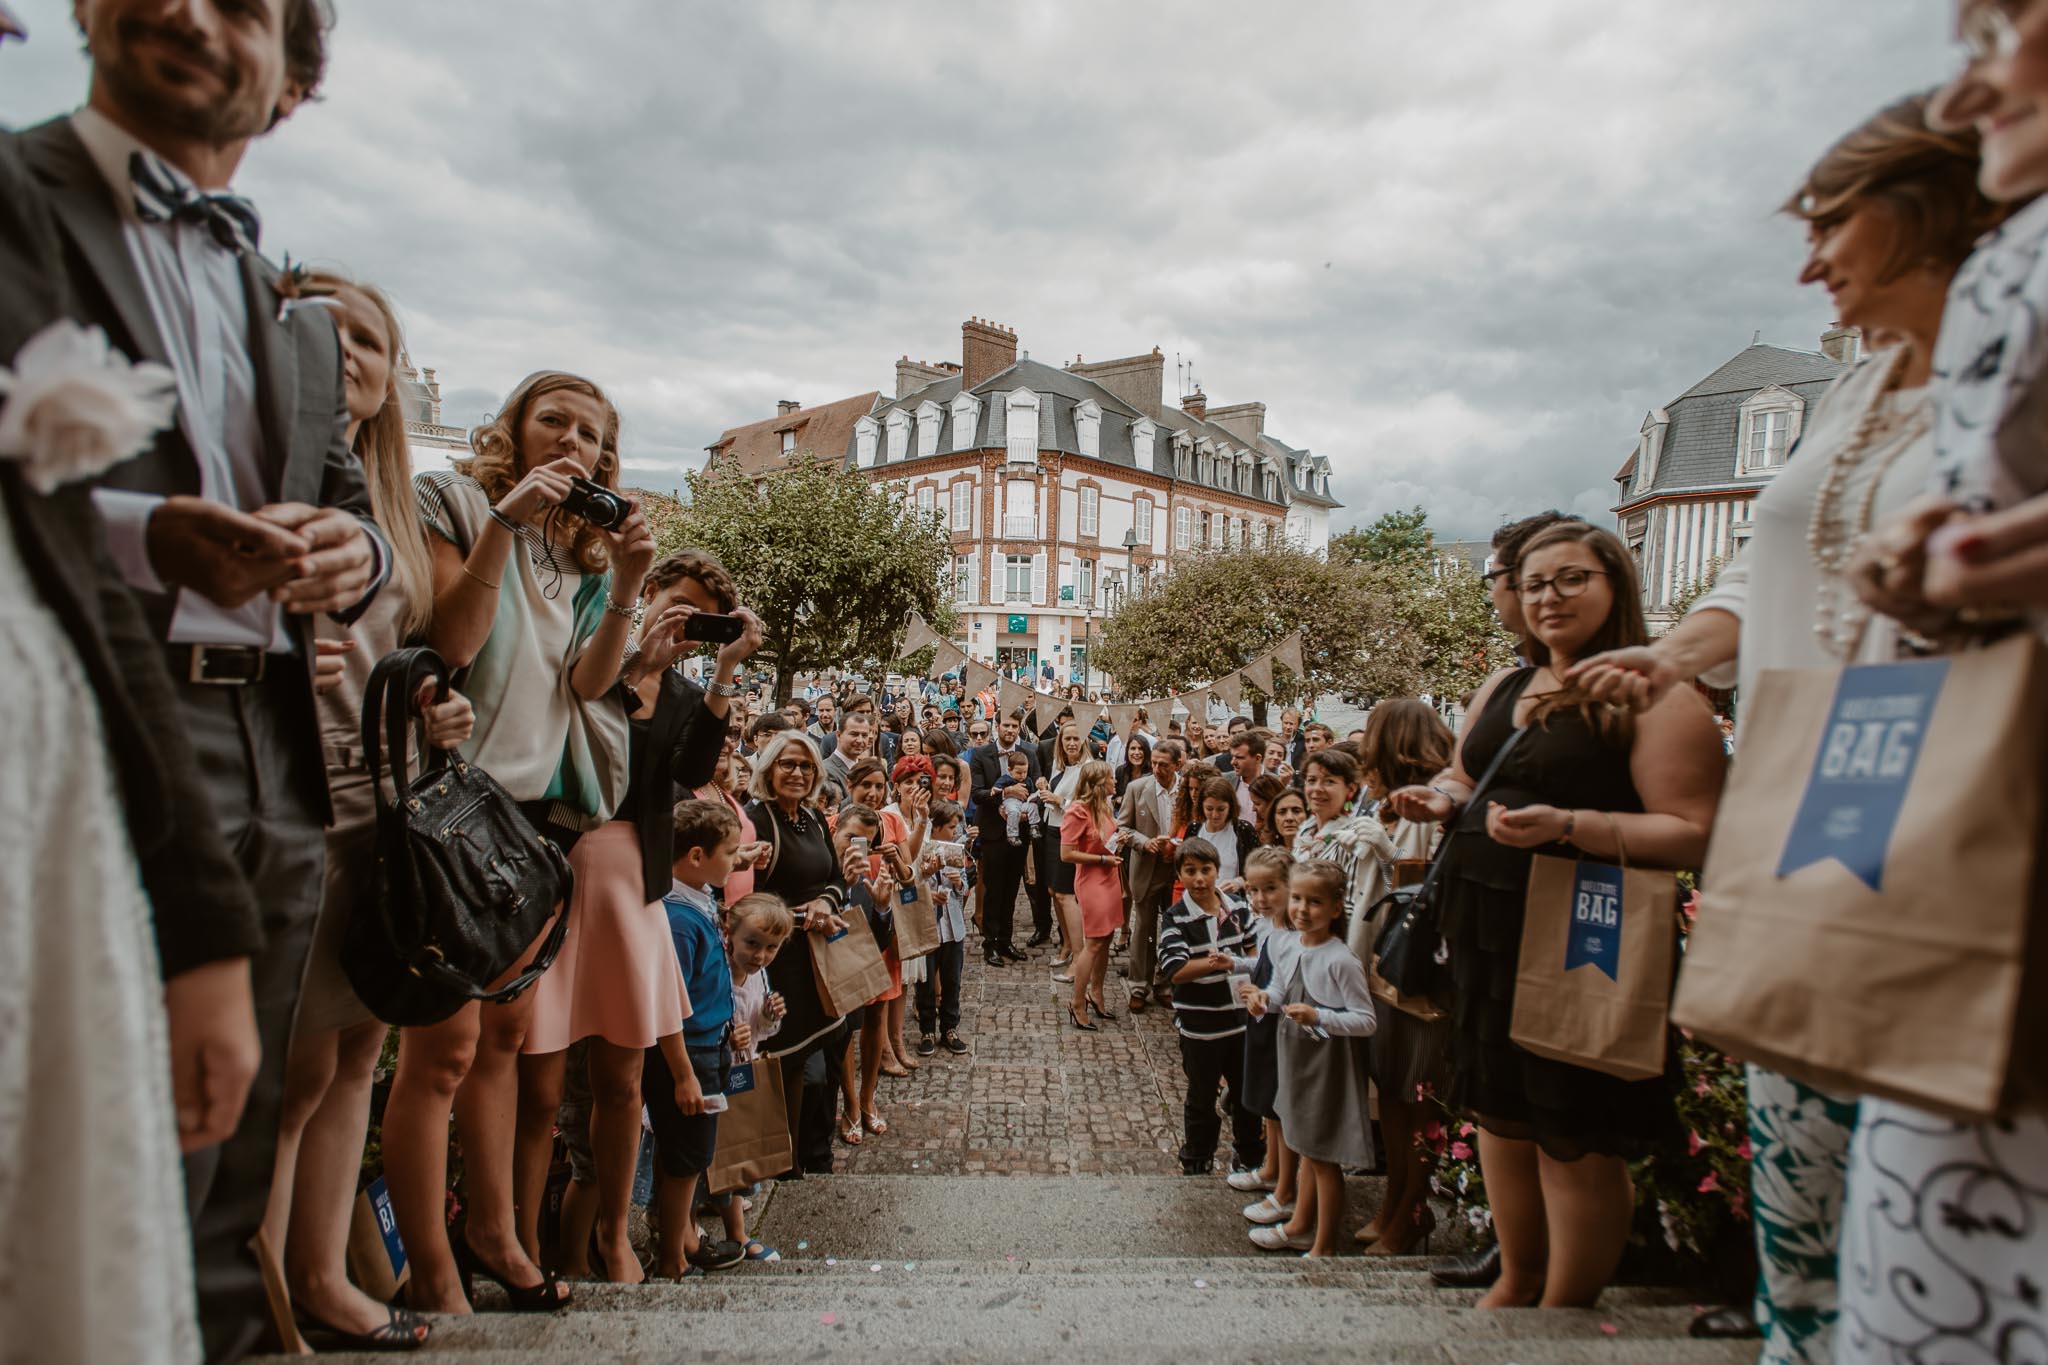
464 883
1410 954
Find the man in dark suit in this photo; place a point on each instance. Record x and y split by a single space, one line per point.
247 517
1002 863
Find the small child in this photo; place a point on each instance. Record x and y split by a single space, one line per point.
755 929
1327 1015
1202 936
1021 814
1266 874
685 1134
938 995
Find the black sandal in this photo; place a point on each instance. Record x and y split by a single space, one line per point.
1081 1023
405 1330
531 1298
1101 1013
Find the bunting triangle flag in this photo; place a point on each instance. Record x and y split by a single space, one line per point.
1085 713
1259 673
945 658
1230 687
1197 704
1121 718
1011 694
974 677
917 635
1288 653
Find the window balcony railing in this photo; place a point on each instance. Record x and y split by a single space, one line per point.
1020 528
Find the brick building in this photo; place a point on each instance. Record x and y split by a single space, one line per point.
1063 487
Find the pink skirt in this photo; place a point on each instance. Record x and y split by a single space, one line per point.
617 977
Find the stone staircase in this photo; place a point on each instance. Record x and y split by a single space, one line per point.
1090 1269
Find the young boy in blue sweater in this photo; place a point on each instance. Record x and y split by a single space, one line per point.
685 1134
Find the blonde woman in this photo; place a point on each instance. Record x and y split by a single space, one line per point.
335 1039
1097 881
537 603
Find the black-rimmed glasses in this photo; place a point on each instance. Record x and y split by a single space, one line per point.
1568 583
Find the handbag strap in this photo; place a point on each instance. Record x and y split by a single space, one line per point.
1451 831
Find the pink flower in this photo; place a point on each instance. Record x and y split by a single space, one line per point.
1694 1143
1461 1151
1711 1183
1745 1151
1465 1130
1702 1089
1433 1130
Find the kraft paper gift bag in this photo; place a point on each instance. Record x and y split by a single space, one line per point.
376 1256
1870 916
848 966
1593 986
753 1132
917 923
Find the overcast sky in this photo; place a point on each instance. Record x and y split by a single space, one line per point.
1458 248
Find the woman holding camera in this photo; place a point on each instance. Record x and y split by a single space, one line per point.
617 986
537 564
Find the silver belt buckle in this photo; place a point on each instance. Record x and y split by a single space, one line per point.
225 665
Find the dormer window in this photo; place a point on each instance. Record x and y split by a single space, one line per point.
966 417
930 416
867 442
1770 423
1181 457
1142 433
789 442
1088 427
899 434
1020 417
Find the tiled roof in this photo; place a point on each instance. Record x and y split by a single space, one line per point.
1699 450
825 430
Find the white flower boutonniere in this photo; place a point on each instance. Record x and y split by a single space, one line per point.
75 407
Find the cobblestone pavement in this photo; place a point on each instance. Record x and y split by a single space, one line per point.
1035 1096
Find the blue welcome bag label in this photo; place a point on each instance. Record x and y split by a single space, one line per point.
1596 919
742 1079
387 1224
1868 750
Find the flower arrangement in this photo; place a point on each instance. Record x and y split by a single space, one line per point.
75 407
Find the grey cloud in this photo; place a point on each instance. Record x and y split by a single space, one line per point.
1458 250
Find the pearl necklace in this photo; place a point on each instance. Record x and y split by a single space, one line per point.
1840 620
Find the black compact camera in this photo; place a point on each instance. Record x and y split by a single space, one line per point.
715 627
596 504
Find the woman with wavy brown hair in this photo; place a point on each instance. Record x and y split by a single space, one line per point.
1890 211
537 603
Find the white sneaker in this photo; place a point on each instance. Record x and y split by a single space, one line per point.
1276 1239
1265 1212
1247 1181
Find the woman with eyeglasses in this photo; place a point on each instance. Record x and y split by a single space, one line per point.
801 867
1555 1139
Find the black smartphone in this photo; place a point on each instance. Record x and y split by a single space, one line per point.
714 627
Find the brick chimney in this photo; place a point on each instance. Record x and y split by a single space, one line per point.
912 375
1841 343
785 406
1245 421
986 350
1139 380
1195 405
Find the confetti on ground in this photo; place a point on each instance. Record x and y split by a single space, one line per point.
803 1246
876 1267
831 1260
1201 1284
910 1265
1610 1329
828 1319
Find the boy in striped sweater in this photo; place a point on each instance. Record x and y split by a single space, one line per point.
1201 934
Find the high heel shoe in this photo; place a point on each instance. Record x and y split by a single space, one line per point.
1101 1013
403 1330
1081 1022
1417 1243
531 1298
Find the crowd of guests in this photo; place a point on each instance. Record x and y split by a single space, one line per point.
186 1069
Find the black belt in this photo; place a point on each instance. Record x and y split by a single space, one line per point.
221 665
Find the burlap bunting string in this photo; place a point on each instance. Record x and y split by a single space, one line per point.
1259 673
1230 687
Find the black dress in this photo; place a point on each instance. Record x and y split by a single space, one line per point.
1568 1110
804 868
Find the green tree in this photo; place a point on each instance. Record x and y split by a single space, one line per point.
831 562
1218 612
1400 540
1682 600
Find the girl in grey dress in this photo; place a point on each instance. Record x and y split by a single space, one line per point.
1327 1014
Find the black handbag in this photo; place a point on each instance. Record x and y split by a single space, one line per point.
1410 954
464 883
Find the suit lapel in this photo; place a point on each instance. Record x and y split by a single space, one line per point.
84 206
274 351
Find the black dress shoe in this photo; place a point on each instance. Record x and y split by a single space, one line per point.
1037 940
1725 1324
1473 1270
1009 950
995 959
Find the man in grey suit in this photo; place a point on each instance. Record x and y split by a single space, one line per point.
247 517
1147 810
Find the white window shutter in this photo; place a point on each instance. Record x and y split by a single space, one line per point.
995 575
1038 578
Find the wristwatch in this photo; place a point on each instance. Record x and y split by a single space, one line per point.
723 689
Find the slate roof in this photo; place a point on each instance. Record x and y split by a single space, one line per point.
1699 453
1060 392
826 430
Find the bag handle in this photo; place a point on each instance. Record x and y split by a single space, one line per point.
1451 831
1620 847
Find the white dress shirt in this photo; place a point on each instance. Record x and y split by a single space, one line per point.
194 285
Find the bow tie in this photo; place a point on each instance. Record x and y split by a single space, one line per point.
161 197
